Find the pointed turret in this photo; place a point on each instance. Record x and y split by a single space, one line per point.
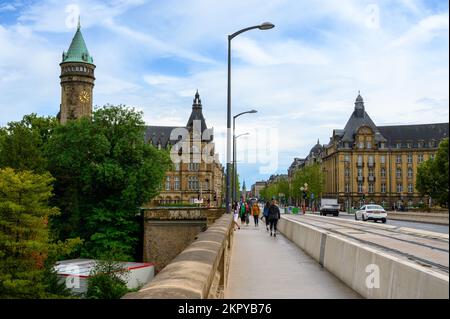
196 114
359 105
78 51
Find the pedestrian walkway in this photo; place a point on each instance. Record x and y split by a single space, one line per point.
275 268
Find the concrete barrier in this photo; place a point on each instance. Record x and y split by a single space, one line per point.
440 218
200 271
358 265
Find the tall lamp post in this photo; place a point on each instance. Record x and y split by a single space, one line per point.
263 26
234 177
235 166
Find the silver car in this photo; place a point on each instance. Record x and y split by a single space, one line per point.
371 212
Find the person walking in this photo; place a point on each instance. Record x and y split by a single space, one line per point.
235 215
242 213
255 213
266 214
247 213
274 216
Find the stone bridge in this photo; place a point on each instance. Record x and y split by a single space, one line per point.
312 257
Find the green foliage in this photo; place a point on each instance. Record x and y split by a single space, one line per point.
104 172
21 143
25 243
432 175
313 176
107 281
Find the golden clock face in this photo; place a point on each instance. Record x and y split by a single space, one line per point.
84 96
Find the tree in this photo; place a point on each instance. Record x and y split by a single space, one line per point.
104 172
21 143
313 176
25 242
432 175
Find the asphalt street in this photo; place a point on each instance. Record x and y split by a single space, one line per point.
400 223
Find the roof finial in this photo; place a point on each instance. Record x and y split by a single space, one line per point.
79 23
318 142
359 92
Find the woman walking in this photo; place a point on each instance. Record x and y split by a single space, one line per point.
235 215
255 213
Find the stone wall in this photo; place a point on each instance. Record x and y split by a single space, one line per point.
168 231
200 271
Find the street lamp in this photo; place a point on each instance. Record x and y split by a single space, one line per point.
233 183
263 26
235 165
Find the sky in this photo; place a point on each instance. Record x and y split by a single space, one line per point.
302 76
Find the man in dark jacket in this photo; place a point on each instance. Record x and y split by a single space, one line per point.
274 216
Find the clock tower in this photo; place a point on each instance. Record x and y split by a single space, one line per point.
77 80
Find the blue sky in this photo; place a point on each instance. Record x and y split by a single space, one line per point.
302 76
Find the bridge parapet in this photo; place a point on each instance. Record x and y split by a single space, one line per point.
200 271
167 231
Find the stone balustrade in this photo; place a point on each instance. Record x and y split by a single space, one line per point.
200 271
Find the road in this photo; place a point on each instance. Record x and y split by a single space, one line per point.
444 229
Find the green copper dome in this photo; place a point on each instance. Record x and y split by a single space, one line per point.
78 51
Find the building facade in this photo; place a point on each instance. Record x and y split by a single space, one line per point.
365 163
256 188
188 181
77 80
193 179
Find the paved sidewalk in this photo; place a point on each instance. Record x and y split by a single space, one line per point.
274 267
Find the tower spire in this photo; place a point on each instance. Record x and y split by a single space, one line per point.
79 23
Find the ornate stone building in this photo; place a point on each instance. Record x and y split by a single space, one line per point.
77 80
378 164
190 181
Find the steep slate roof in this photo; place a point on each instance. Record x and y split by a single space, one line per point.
414 133
359 118
78 51
161 134
197 113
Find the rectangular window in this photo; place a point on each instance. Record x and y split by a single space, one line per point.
347 172
398 145
361 145
383 172
383 159
360 187
360 172
399 188
177 166
371 160
410 188
382 145
398 159
347 158
168 183
410 158
410 173
432 156
176 183
360 160
420 158
398 172
371 173
383 188
369 145
371 188
347 188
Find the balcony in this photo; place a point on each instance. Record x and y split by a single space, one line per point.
360 179
360 164
371 178
371 164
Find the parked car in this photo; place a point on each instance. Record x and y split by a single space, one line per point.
329 206
371 212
